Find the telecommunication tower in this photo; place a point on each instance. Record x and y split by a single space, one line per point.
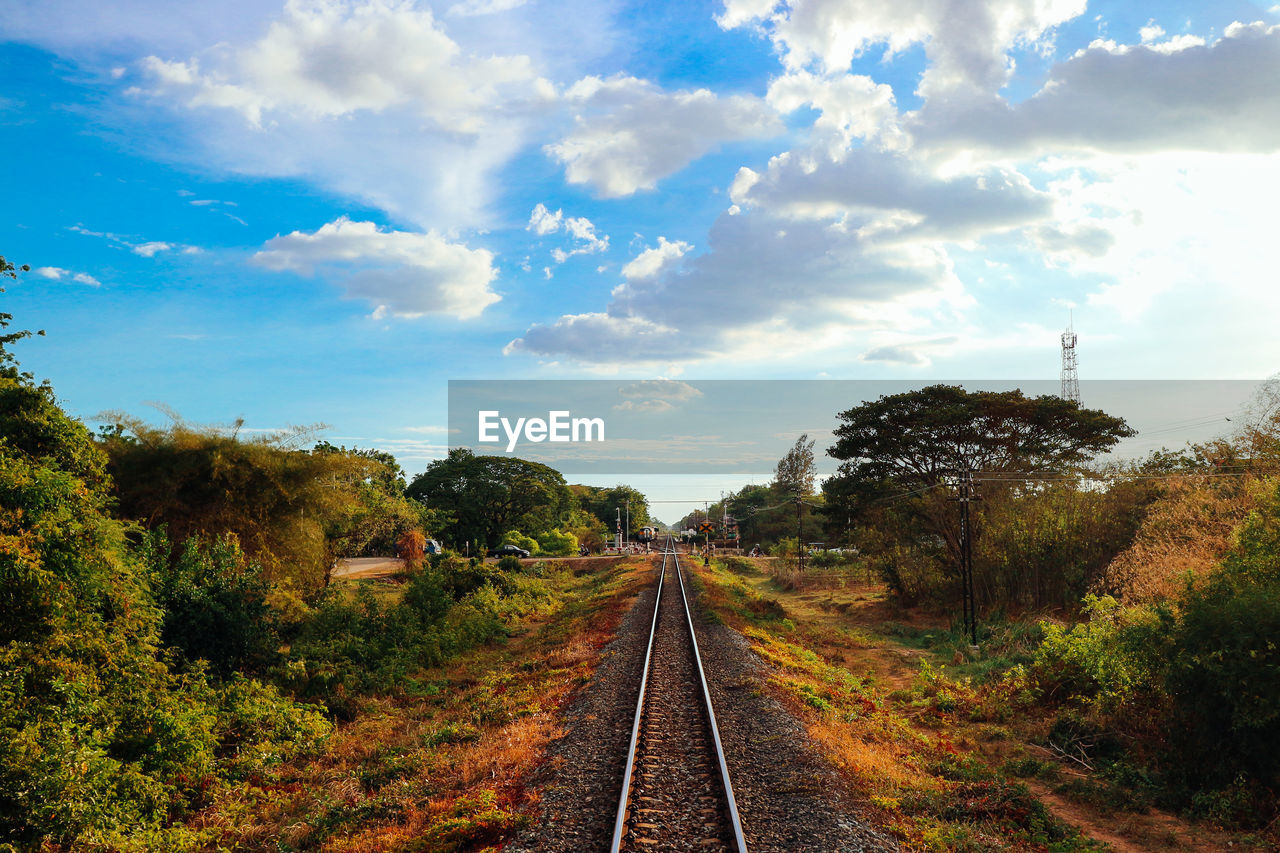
1070 379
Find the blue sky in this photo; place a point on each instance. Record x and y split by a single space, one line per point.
320 212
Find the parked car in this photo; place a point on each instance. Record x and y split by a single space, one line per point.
432 547
509 551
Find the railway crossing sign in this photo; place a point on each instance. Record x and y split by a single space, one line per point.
706 527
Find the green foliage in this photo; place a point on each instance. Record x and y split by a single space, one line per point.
796 471
518 539
283 504
489 495
603 504
555 543
1107 661
898 452
214 602
101 745
355 644
1224 674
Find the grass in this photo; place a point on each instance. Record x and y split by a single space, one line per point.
440 765
896 743
945 744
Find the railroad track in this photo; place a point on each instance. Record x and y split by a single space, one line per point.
676 793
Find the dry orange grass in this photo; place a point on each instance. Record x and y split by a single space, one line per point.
1185 534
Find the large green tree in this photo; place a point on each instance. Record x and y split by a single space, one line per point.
488 496
604 503
901 450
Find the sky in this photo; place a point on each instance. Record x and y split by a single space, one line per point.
320 212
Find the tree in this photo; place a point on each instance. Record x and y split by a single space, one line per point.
796 471
604 505
900 449
286 506
489 495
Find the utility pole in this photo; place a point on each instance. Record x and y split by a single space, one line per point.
617 538
965 494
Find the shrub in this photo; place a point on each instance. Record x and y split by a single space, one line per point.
1104 662
554 543
515 537
214 601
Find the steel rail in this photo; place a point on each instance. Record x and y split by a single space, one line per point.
711 718
620 822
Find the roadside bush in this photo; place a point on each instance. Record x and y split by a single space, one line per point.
515 537
554 543
214 602
1224 675
1104 662
102 746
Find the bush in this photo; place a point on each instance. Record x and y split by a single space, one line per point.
214 601
557 544
1105 662
515 537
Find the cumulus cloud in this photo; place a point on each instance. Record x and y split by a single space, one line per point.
629 133
403 273
891 195
669 390
582 232
543 221
327 58
765 284
853 107
654 260
372 99
1183 94
966 44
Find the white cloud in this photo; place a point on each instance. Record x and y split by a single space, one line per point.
580 229
630 134
853 107
484 7
146 249
1151 32
371 99
652 261
150 249
543 221
966 44
885 195
58 274
407 274
667 390
1177 95
328 58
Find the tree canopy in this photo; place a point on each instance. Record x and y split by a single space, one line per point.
491 495
900 448
796 471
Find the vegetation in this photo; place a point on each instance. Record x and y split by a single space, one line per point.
102 742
